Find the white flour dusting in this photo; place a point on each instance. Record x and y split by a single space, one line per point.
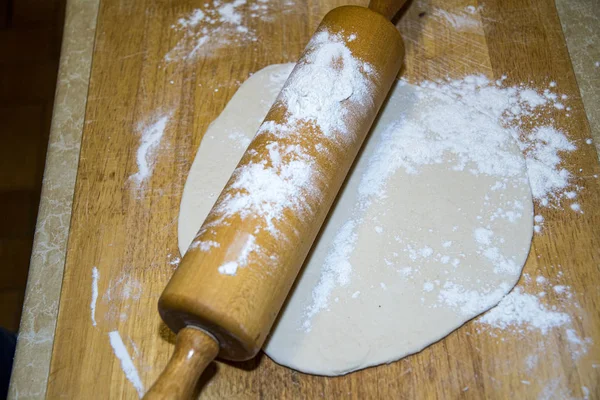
465 21
122 288
95 277
336 270
219 24
586 392
578 346
174 261
214 26
240 140
547 178
285 178
231 267
329 86
267 188
470 302
150 137
127 366
522 311
483 236
475 121
205 245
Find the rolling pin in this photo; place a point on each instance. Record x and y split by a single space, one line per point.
227 313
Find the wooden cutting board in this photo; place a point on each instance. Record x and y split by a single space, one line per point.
128 231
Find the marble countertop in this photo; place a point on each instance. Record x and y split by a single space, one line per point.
580 20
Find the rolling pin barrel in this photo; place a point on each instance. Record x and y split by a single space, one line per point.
237 273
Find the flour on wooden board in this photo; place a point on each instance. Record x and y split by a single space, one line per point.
173 260
462 21
151 134
121 293
126 362
521 311
95 278
219 24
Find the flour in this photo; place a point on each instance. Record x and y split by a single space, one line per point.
122 289
586 392
150 138
547 179
265 190
539 223
284 179
95 277
522 311
127 365
577 346
240 140
428 287
469 302
472 121
209 28
231 267
205 245
174 261
249 247
220 24
483 236
461 21
434 263
316 90
336 271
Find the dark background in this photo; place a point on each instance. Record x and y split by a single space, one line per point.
30 39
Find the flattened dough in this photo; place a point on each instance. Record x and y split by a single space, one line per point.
437 248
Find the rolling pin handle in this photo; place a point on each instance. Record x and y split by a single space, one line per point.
194 350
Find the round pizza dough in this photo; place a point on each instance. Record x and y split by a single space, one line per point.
410 251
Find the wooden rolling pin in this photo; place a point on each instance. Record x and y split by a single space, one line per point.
228 313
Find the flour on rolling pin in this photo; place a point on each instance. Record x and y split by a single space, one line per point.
268 188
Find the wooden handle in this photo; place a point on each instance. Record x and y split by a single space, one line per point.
195 349
387 8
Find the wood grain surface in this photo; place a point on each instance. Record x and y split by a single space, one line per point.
128 231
